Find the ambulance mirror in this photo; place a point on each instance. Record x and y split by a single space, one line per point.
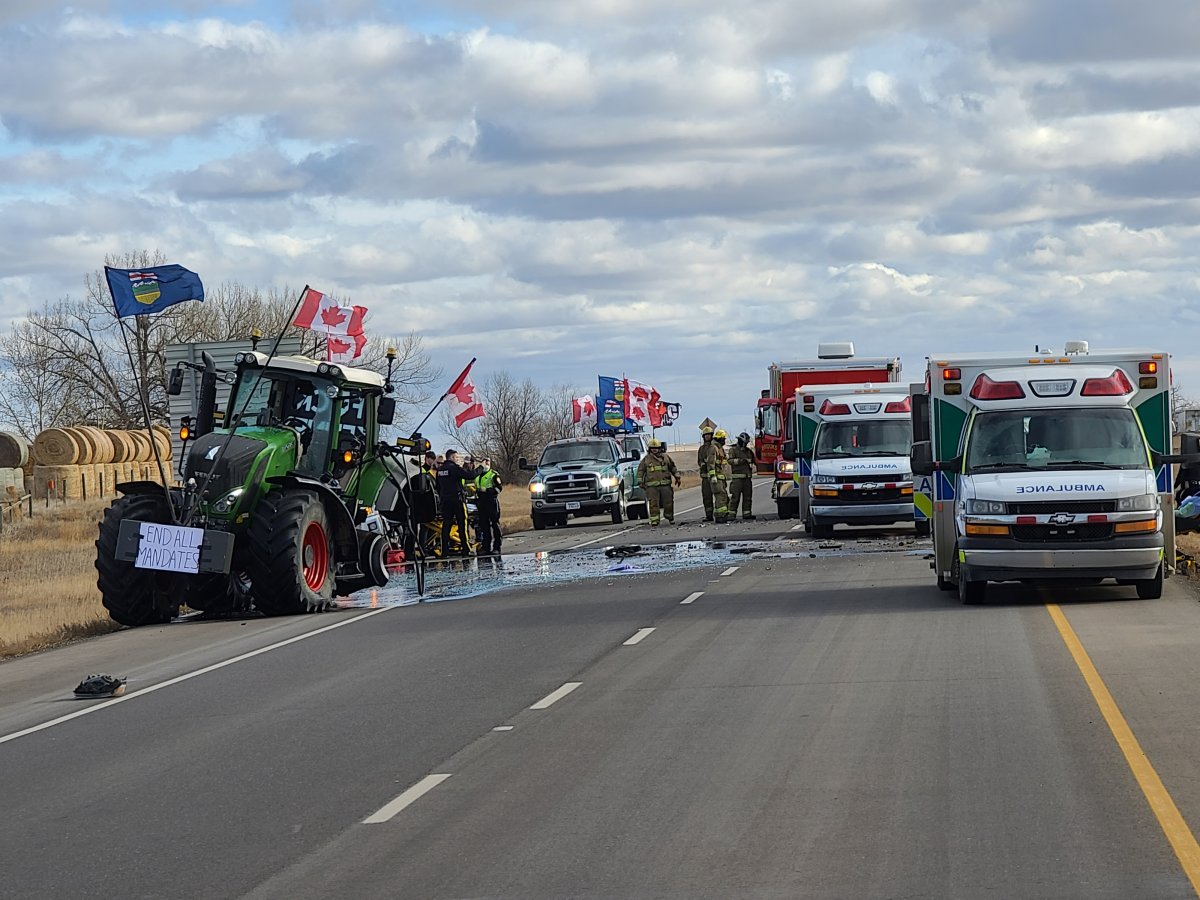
921 458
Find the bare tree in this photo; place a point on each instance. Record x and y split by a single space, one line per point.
69 362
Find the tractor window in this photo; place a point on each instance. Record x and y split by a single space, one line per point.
353 417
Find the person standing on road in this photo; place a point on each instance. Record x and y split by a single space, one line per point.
741 478
655 473
487 507
705 455
451 484
720 470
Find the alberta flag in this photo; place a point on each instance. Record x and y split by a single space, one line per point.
139 292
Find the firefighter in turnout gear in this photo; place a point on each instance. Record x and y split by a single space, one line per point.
487 507
706 452
741 478
656 473
714 473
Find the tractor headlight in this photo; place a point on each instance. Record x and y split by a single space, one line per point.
228 501
609 481
986 508
537 487
1140 503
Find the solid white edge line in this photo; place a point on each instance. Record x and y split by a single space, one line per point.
692 598
187 676
556 695
409 797
641 635
730 570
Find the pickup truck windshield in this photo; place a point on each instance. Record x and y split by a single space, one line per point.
1080 438
839 440
591 451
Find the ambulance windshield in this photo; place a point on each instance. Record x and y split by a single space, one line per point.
1079 438
870 437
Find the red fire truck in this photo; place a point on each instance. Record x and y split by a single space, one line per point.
835 364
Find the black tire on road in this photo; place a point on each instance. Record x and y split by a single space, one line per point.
970 593
618 510
207 593
539 521
290 554
1151 588
788 508
820 531
134 596
923 527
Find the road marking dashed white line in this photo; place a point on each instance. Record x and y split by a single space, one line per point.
188 676
692 598
730 570
603 537
554 696
641 635
413 794
504 728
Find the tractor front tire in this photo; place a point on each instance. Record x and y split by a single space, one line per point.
291 561
133 596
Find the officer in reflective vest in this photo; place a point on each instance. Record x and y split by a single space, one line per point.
705 457
655 473
487 507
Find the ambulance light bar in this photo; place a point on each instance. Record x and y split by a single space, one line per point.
986 389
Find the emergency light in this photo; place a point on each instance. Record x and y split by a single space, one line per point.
899 406
829 408
1115 385
986 389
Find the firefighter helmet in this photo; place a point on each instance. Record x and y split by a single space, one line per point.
706 432
719 434
655 444
743 438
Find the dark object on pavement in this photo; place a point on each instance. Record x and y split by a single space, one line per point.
622 550
96 686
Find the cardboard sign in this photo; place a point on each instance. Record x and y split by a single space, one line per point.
169 548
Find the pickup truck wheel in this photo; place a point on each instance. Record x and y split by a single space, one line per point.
1151 588
618 510
539 521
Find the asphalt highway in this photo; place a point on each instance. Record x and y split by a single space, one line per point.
822 723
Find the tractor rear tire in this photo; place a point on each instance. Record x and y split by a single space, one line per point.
133 596
290 558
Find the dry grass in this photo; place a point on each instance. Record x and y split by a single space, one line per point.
48 579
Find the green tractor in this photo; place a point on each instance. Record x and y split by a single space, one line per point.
294 500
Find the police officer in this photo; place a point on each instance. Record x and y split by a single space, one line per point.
705 455
720 476
451 485
655 473
741 478
487 508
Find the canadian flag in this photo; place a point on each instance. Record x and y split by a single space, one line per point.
583 409
321 313
657 408
344 349
637 401
464 404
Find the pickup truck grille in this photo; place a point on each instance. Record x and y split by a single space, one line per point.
572 486
1049 507
1086 531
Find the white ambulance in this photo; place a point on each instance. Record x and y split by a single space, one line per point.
1046 466
852 448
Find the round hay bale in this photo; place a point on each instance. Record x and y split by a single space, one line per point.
87 446
164 445
104 446
14 451
122 447
56 447
141 442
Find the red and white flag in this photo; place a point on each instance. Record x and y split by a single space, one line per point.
657 408
583 409
321 313
344 349
637 401
465 405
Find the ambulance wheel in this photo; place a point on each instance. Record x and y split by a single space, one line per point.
821 532
1151 588
944 585
539 521
923 527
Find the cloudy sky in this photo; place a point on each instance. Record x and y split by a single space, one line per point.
681 190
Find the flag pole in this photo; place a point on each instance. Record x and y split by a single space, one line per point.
233 423
144 397
453 388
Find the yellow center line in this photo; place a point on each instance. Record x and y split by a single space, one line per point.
1183 842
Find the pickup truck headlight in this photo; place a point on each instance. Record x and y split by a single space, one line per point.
1140 503
536 487
609 481
986 508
